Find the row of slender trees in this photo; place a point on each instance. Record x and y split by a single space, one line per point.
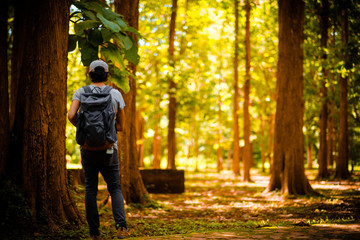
245 154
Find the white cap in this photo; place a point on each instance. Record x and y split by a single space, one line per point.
98 63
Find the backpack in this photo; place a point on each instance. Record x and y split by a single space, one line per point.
95 121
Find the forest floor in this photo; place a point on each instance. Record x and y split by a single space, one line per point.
221 206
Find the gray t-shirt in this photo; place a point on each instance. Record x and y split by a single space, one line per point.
116 98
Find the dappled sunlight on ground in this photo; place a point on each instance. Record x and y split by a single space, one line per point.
223 201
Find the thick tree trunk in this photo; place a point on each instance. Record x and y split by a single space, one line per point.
19 40
288 172
171 144
271 132
342 170
132 185
322 155
4 95
236 147
247 156
40 119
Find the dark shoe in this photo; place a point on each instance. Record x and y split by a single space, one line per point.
122 233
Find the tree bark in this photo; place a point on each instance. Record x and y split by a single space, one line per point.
330 133
309 155
236 147
270 147
247 156
131 182
262 145
4 95
288 172
219 138
38 149
342 170
171 144
140 138
157 137
322 155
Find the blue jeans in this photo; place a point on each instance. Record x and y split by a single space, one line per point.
108 165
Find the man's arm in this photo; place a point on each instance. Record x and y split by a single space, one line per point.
74 107
120 120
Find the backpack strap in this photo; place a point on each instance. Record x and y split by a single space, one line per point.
87 89
107 89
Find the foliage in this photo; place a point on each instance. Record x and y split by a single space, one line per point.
203 72
99 30
14 211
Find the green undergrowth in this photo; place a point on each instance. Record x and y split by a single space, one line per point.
162 227
14 212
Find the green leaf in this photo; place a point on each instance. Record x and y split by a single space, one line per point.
72 42
80 5
106 34
89 53
82 42
96 6
120 78
87 24
125 40
108 24
109 14
132 54
121 23
100 3
90 15
112 53
133 30
95 37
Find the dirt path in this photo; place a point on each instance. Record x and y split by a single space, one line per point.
221 206
324 231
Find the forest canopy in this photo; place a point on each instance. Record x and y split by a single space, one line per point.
203 74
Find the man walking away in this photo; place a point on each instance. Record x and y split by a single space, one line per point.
97 111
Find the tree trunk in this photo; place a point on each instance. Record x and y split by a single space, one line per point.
219 139
171 145
288 173
220 160
131 182
270 147
322 155
157 137
39 128
247 156
262 145
309 155
330 135
140 138
342 170
236 147
4 95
